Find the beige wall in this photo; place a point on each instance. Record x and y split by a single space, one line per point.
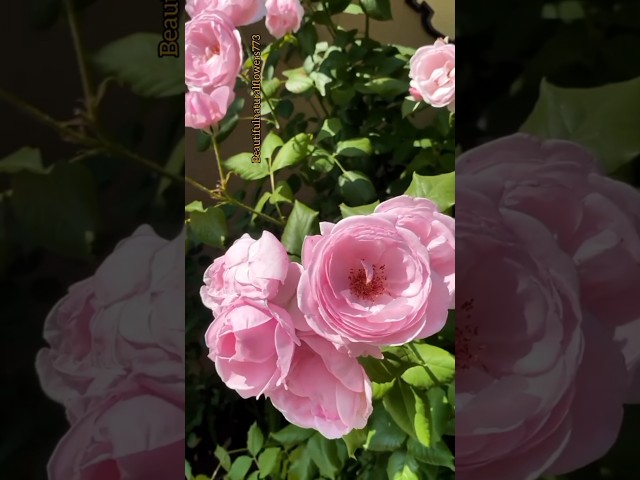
404 29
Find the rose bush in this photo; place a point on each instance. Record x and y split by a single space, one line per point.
319 298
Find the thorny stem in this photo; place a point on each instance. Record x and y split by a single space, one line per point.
81 56
216 152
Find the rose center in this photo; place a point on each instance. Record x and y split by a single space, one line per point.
210 52
368 282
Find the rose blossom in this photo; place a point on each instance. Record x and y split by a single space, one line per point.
202 110
252 343
213 53
368 282
283 16
252 269
240 12
435 230
433 74
116 363
538 345
325 390
598 225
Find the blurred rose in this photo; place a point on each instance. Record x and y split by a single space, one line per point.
283 16
251 344
325 390
251 269
240 12
433 74
368 282
435 230
116 363
534 345
213 53
202 110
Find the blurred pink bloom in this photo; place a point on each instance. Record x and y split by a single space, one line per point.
548 248
250 269
239 12
251 344
368 282
116 363
213 53
202 110
325 390
283 16
433 74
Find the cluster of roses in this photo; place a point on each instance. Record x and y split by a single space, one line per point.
213 50
293 332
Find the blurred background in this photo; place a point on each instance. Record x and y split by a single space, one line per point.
36 266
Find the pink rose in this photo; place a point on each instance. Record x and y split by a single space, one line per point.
239 12
283 16
433 74
535 355
250 269
325 390
116 363
202 110
213 53
368 282
435 230
252 343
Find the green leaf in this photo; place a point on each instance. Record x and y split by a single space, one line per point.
187 470
292 152
326 455
438 188
356 188
255 439
603 119
223 457
26 159
331 128
269 145
355 147
354 440
402 466
302 221
410 106
360 210
383 370
298 80
195 206
438 454
240 468
281 194
134 61
210 226
409 409
440 363
267 461
384 435
385 87
252 476
377 9
292 434
60 210
242 165
302 466
380 389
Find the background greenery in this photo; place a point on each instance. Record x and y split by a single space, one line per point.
76 177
